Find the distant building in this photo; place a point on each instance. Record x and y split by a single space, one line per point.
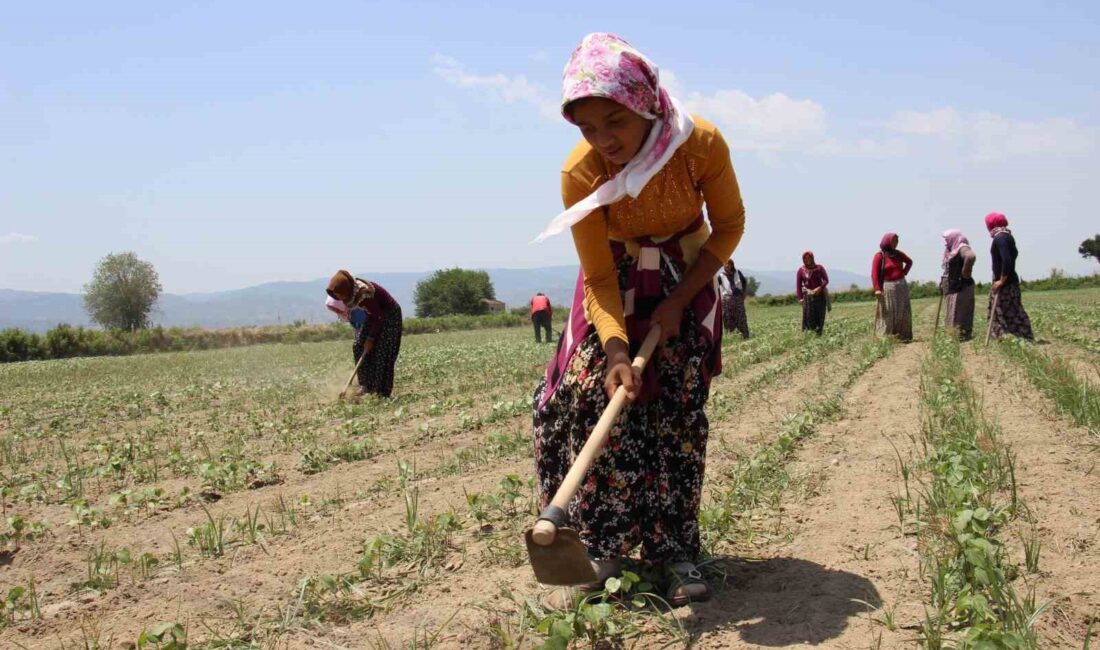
493 305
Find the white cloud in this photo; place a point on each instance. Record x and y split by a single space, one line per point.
771 123
861 148
943 121
509 89
777 123
983 136
17 238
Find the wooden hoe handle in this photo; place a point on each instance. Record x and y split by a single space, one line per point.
553 516
992 316
356 371
939 308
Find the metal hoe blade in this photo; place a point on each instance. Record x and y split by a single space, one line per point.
563 563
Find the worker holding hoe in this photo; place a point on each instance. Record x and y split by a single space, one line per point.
378 325
634 189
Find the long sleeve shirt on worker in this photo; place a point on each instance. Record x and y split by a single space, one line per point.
895 268
1004 255
960 270
377 306
699 173
814 279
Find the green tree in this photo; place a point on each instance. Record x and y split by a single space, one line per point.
1090 248
453 291
752 285
122 292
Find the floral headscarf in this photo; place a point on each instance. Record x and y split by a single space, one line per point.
996 223
604 65
953 241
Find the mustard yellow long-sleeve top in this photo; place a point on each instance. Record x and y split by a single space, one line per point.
699 172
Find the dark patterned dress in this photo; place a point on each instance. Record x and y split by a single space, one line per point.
734 316
1010 316
814 307
384 325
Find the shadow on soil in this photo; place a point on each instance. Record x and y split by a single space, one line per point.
782 601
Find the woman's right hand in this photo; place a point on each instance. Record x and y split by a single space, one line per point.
620 371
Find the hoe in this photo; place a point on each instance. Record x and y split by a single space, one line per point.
556 552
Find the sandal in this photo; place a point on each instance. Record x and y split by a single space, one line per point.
686 584
567 597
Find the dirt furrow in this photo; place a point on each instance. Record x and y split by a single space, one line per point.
846 545
1058 478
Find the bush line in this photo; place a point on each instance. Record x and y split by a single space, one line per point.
66 341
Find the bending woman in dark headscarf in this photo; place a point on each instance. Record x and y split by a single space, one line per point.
811 286
888 270
378 336
1010 316
958 284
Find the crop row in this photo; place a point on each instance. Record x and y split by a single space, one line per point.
964 494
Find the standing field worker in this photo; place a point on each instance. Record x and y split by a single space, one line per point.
379 335
732 286
541 316
812 288
634 189
888 270
957 284
1006 307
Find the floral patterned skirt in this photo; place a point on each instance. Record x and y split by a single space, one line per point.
734 316
644 489
1011 318
813 312
376 372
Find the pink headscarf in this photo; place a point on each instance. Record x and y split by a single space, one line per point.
996 223
604 65
953 241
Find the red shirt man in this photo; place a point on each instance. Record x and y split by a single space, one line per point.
541 303
541 315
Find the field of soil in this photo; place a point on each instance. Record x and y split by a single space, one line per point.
228 499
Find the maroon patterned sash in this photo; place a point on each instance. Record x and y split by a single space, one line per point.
641 296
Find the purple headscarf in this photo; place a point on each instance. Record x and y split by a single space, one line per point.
953 241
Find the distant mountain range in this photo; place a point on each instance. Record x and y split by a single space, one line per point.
285 302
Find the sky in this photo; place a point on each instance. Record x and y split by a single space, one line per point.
235 143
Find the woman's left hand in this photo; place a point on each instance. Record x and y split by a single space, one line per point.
668 315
